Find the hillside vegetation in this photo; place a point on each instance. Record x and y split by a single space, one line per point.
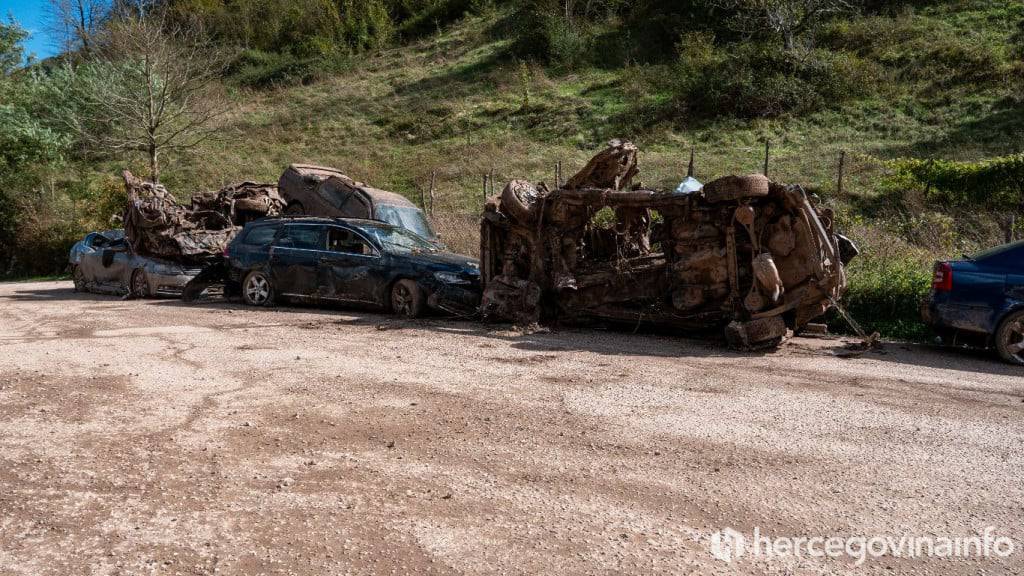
393 91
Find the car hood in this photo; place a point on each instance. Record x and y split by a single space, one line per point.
442 261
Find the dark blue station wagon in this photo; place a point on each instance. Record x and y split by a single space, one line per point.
348 261
980 299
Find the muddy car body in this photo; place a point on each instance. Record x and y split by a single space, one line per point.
104 262
348 262
744 253
325 192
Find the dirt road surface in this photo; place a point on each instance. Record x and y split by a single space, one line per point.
153 437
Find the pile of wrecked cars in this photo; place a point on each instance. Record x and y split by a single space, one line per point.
742 254
164 245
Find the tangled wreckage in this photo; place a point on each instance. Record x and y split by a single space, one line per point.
156 225
746 254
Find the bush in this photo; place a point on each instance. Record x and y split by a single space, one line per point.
258 69
885 295
752 79
995 183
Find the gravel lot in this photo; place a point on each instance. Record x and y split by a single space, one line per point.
153 437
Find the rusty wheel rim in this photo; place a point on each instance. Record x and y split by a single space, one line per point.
401 300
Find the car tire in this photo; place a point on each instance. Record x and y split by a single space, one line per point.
519 200
736 187
78 277
406 299
257 289
139 287
1010 338
295 209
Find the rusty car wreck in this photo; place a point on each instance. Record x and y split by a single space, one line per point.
155 224
745 254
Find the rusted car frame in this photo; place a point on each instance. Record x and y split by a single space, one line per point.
753 256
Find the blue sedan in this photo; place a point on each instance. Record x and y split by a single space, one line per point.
980 299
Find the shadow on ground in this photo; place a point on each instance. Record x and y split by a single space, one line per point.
611 342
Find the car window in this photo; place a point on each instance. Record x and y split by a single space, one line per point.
406 217
341 240
307 237
332 194
260 235
399 240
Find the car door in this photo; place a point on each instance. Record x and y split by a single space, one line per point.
351 269
294 258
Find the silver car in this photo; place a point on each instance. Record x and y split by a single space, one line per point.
104 262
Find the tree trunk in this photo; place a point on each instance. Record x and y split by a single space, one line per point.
154 165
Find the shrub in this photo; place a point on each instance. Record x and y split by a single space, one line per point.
258 69
885 294
994 183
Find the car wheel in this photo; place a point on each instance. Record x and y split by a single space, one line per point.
257 289
519 199
140 284
295 209
406 299
78 277
1010 338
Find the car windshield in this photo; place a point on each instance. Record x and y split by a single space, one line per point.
399 240
407 217
999 250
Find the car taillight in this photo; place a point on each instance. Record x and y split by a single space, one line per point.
942 281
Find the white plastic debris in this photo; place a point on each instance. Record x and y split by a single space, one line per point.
689 186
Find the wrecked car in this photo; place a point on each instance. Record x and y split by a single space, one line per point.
979 301
348 261
326 192
744 254
104 262
157 225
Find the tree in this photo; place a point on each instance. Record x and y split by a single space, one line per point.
152 89
787 19
11 50
78 23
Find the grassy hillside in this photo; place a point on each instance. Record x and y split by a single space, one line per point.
944 81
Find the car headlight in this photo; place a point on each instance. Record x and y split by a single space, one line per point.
450 278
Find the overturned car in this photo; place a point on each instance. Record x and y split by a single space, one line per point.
745 254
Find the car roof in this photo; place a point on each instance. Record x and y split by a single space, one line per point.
376 194
356 222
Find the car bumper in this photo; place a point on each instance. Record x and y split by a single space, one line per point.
170 284
452 298
942 315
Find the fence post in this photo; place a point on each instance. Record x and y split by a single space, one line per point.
433 176
767 150
689 169
842 165
485 187
1011 230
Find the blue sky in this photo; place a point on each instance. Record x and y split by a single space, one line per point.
32 16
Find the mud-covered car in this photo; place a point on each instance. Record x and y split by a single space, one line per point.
326 192
752 256
104 262
348 261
